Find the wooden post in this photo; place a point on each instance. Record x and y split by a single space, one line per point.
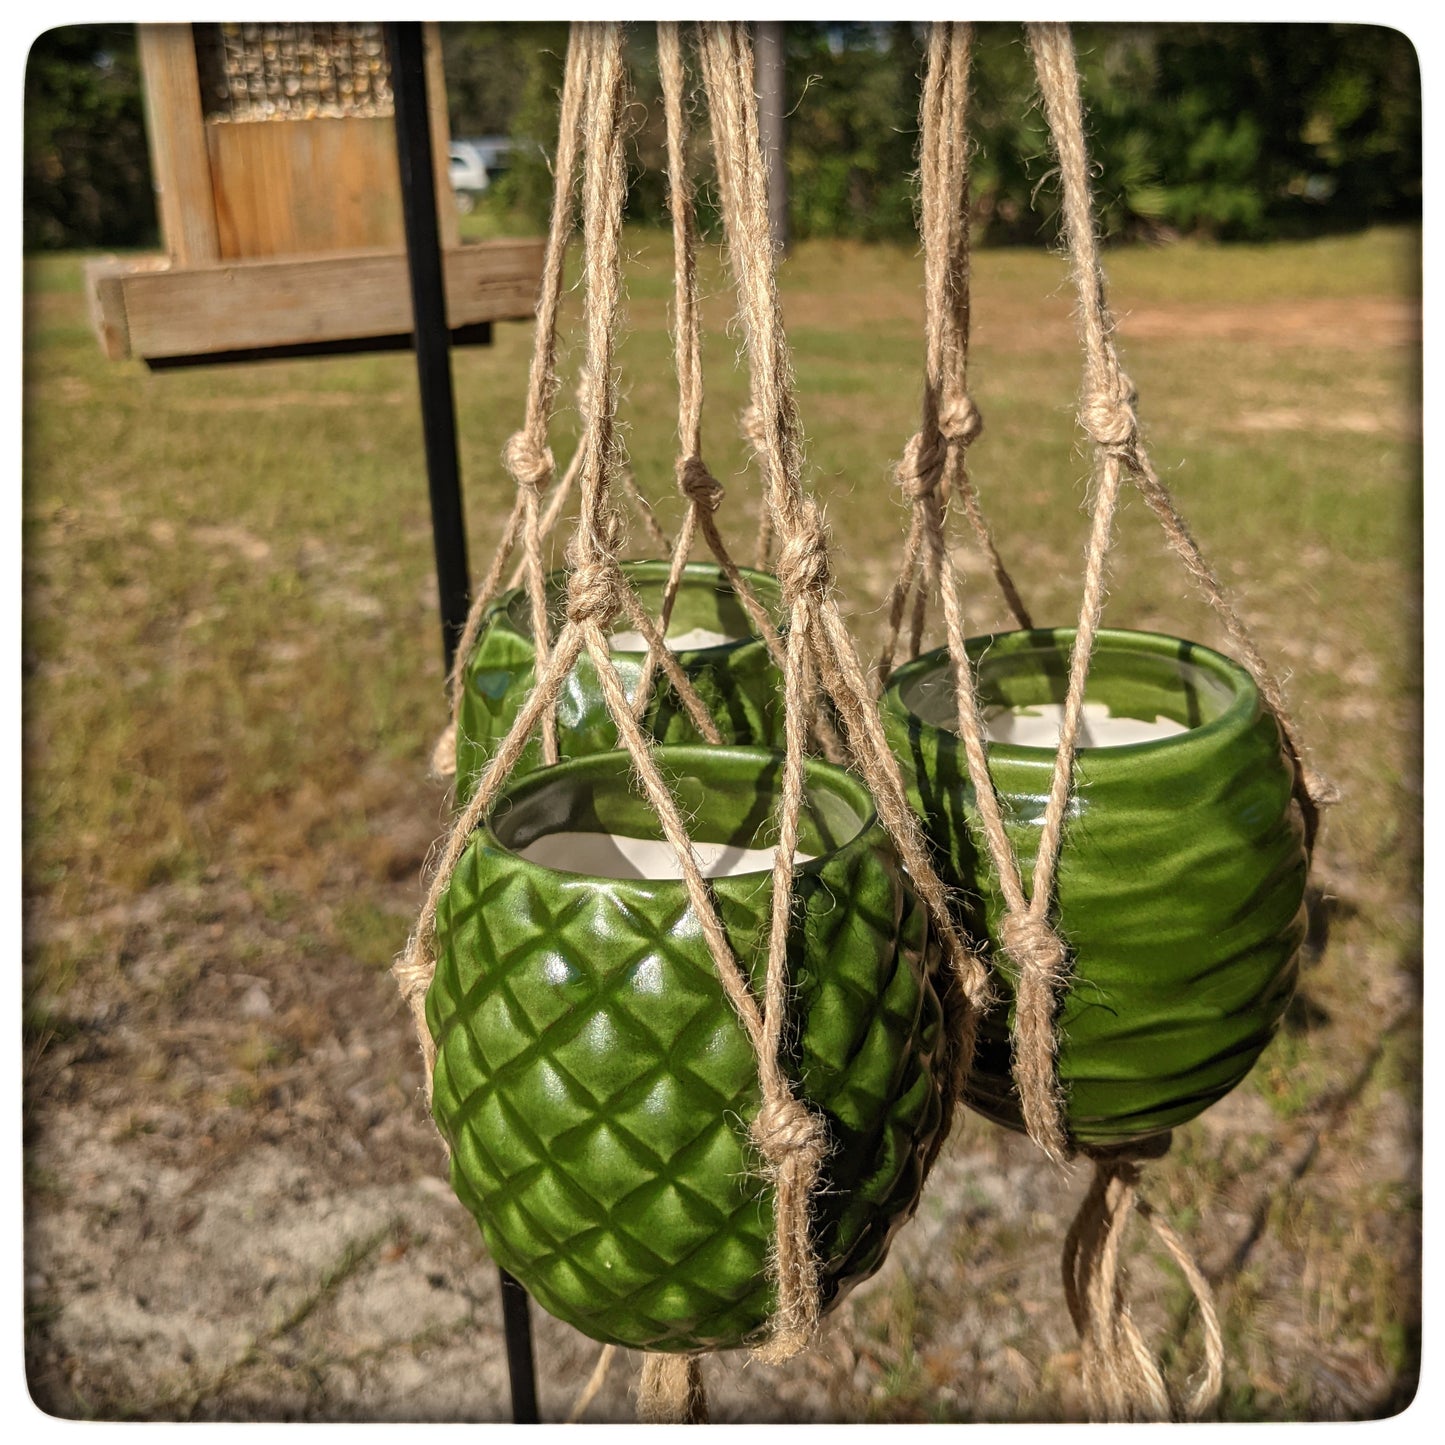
180 161
773 124
441 135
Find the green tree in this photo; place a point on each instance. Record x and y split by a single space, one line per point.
86 168
1251 131
487 67
852 130
1231 131
536 53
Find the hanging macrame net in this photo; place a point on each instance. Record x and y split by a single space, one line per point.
828 702
1122 1376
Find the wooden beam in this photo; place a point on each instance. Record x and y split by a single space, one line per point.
175 127
143 311
107 306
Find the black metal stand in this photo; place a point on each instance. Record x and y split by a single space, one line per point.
429 327
521 1368
449 538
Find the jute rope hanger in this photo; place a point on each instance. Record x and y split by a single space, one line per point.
826 646
529 460
790 1138
934 467
698 486
700 489
1107 416
1122 1377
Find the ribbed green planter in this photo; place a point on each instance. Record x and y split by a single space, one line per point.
596 1087
738 681
1180 882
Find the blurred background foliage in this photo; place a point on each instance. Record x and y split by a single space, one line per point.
87 174
1241 131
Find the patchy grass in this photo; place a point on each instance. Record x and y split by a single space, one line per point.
233 678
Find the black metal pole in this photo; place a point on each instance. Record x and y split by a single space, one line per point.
521 1368
439 431
429 327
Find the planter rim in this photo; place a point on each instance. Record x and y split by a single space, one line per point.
1240 713
647 570
616 766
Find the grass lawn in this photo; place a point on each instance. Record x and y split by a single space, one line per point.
232 677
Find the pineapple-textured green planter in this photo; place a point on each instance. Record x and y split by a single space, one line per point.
1180 881
737 679
596 1086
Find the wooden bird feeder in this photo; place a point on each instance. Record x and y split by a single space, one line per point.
274 153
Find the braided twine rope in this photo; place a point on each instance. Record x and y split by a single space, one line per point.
1123 1379
818 657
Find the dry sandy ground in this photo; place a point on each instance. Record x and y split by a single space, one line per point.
303 1258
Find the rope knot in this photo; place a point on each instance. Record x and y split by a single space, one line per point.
920 468
413 969
785 1127
1107 413
960 420
594 592
531 465
1032 943
698 484
803 566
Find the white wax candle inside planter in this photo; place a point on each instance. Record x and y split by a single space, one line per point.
1037 726
614 855
693 640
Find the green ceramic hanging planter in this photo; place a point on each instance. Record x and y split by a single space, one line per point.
596 1086
1180 881
728 664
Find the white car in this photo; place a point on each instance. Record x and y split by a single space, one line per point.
469 175
472 165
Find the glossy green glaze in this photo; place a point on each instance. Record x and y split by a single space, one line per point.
1180 881
596 1086
738 681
